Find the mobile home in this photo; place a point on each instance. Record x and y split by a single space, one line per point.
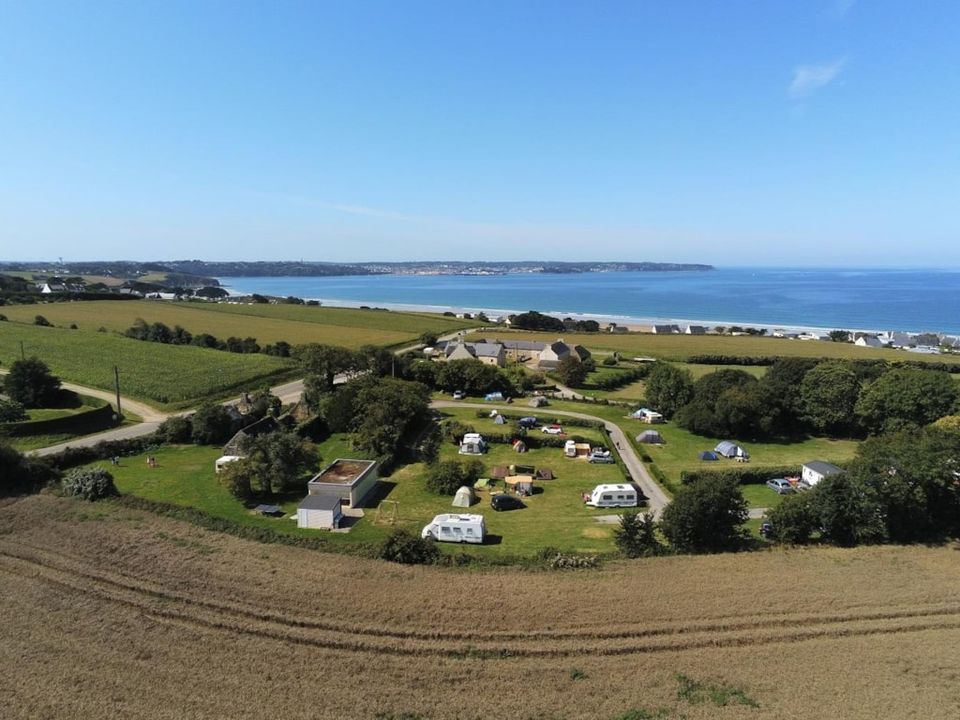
455 528
613 496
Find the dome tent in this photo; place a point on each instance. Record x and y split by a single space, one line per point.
464 497
651 437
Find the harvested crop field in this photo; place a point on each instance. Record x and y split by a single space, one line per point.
112 612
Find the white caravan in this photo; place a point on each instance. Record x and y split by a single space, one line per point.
613 496
455 528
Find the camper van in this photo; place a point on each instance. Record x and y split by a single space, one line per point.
613 496
455 528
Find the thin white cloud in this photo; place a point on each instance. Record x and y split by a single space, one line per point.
807 79
839 9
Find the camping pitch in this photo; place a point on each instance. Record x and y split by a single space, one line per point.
650 437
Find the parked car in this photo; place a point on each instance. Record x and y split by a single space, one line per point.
604 458
780 486
552 429
459 395
506 502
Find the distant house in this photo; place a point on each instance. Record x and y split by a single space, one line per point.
695 330
870 341
490 353
616 329
929 340
264 425
901 339
666 330
50 288
816 470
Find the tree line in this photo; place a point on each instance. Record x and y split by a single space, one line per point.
797 396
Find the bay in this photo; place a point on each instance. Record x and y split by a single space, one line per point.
908 300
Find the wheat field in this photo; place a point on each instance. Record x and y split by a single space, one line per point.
111 612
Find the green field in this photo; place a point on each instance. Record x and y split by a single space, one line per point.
295 324
161 374
680 347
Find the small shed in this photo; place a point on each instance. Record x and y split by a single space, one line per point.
519 446
347 479
521 484
319 512
464 497
816 470
538 401
581 450
708 455
650 437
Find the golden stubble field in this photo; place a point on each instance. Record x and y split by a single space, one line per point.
109 612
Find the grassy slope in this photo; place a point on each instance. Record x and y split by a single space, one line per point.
162 374
267 323
680 347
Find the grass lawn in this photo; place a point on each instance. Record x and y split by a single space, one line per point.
760 496
267 323
698 371
680 347
35 442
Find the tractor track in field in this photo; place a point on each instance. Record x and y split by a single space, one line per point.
166 605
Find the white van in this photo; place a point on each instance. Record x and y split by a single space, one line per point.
455 528
613 496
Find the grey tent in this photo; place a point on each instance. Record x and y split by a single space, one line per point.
499 420
708 455
464 497
730 449
538 401
651 437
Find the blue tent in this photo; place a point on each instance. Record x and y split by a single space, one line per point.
708 455
493 396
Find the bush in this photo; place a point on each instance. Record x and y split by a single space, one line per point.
707 516
31 384
11 411
402 547
89 484
212 425
741 475
610 361
445 478
41 321
794 520
637 535
176 429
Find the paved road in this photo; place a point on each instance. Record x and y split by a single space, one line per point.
657 500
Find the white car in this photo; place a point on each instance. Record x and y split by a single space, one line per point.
459 395
552 429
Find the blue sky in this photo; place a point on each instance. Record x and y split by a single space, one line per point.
822 132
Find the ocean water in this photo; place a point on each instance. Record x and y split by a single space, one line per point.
908 300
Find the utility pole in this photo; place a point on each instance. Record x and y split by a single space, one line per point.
116 376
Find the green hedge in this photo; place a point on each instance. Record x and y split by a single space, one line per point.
90 421
561 419
742 475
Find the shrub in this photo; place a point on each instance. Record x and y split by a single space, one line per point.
31 384
41 321
89 484
445 478
794 520
176 429
402 547
637 535
12 411
707 516
610 361
212 425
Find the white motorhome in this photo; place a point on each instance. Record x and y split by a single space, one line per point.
613 496
455 528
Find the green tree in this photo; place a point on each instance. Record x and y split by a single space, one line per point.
402 547
906 397
90 484
237 479
636 536
338 408
453 430
571 372
839 336
847 511
725 402
429 339
669 388
276 461
795 519
176 429
31 383
445 478
424 371
322 364
829 395
12 411
780 396
706 516
212 425
386 408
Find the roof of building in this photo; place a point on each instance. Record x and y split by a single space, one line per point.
487 349
518 344
823 468
322 501
343 472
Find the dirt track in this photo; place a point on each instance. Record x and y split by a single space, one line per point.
127 598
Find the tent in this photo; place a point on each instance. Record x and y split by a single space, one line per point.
490 397
708 455
538 401
464 497
544 474
521 484
499 420
730 449
519 446
651 437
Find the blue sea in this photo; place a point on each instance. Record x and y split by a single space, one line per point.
908 300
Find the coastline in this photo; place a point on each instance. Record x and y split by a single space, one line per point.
632 323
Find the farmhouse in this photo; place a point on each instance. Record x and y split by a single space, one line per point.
695 330
816 470
348 480
319 512
870 341
666 330
264 425
546 355
488 353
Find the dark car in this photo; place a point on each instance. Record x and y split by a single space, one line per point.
505 502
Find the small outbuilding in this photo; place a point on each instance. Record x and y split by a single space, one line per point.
521 484
650 437
464 497
347 480
319 512
816 470
225 460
